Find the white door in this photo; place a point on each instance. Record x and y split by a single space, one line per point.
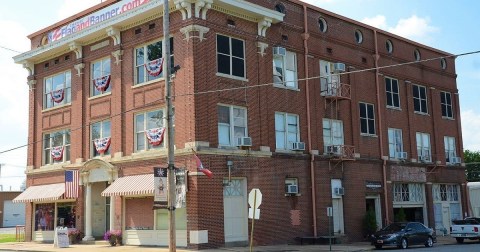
235 211
13 214
337 204
446 216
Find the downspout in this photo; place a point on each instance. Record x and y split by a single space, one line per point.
309 129
380 130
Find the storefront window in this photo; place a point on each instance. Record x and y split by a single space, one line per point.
66 214
139 214
180 219
44 214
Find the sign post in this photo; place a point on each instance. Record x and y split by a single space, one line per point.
254 200
330 215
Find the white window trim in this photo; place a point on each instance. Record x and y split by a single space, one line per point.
135 132
443 93
392 93
285 133
135 71
92 87
367 118
332 121
92 145
231 56
232 125
284 69
424 146
420 100
394 142
447 140
63 131
64 103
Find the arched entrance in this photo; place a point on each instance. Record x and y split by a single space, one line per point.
95 176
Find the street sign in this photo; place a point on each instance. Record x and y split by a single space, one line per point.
329 211
255 198
251 212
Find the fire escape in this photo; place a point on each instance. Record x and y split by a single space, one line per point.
334 92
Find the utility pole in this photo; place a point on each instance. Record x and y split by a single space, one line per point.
170 143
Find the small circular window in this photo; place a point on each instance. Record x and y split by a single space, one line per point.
322 24
443 63
280 8
416 54
358 36
389 46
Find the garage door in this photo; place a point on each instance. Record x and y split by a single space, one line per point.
13 214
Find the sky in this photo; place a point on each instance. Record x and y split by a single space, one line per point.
449 26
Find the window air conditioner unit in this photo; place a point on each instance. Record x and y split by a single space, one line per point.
455 160
332 149
298 146
244 141
338 67
293 189
339 191
279 51
401 155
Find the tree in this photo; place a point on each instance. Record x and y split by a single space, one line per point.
472 168
23 186
370 223
401 216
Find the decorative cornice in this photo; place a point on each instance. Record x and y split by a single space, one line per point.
79 68
262 47
201 8
117 54
263 25
114 33
29 66
194 28
185 7
77 48
31 84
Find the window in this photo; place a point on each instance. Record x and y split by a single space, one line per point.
280 8
101 77
443 63
446 101
423 147
393 96
330 81
149 61
287 130
232 124
389 46
56 147
445 192
420 99
230 56
395 143
285 69
66 214
57 90
322 25
45 217
367 119
358 36
450 150
332 133
291 186
411 192
149 122
416 55
101 138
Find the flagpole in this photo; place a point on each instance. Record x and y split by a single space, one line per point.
170 142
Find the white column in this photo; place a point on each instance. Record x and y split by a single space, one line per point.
112 212
88 215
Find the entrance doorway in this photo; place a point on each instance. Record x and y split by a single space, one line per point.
235 212
372 203
100 210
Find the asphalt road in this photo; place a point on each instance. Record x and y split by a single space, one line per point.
468 246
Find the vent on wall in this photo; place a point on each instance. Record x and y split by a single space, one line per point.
231 23
151 26
138 31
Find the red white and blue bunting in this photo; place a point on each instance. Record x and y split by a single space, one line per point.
102 83
155 136
58 95
57 153
102 144
154 67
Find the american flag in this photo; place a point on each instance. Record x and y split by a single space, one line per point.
71 184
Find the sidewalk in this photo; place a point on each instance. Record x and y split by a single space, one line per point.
102 247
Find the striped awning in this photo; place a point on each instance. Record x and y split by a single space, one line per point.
41 193
131 185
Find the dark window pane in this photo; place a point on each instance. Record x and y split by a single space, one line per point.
388 85
423 93
370 111
396 100
442 97
444 110
223 44
416 105
415 91
238 67
389 99
223 114
237 48
371 126
449 99
154 51
395 86
363 126
223 64
450 112
424 106
363 111
171 45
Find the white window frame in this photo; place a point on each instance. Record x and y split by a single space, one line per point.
288 65
423 145
368 118
450 148
408 192
231 57
234 122
93 151
329 81
48 145
332 133
48 87
141 65
94 74
446 192
161 122
284 135
447 107
418 99
395 142
392 95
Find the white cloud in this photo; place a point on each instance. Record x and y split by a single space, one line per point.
72 7
378 21
470 132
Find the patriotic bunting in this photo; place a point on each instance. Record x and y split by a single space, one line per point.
57 153
102 83
155 136
58 95
102 144
71 184
154 67
200 167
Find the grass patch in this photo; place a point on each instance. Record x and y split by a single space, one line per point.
7 238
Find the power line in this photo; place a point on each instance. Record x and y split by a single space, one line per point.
6 48
254 86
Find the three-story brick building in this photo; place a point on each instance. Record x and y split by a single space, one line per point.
314 109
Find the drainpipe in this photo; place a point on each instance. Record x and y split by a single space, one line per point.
309 129
380 130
